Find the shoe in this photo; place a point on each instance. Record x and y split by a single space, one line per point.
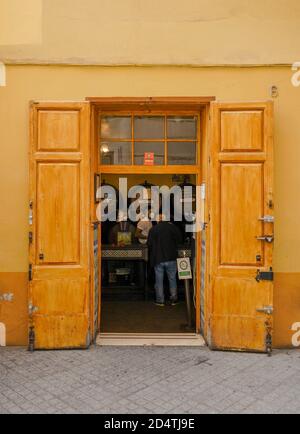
174 302
159 304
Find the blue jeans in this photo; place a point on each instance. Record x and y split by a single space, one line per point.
171 270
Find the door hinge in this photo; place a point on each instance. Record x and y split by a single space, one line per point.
30 237
30 272
265 276
268 310
267 219
32 309
266 238
31 213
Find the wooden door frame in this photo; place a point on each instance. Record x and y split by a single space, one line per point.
149 105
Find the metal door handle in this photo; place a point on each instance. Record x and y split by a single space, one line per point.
267 219
267 238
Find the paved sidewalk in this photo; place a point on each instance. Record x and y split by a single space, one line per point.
148 380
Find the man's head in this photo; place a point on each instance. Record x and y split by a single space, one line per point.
161 218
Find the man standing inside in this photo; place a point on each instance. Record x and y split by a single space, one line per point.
163 242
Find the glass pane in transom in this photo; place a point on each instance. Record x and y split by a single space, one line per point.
115 153
182 127
182 153
116 127
149 127
149 153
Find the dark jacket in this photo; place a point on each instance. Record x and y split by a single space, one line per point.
163 242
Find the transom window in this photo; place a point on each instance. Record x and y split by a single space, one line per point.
156 140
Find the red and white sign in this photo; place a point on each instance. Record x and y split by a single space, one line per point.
149 159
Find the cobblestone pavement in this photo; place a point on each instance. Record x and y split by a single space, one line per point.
148 380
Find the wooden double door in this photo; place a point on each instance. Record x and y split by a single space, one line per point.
239 287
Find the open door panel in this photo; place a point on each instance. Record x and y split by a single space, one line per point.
59 224
241 227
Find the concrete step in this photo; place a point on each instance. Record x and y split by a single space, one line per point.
159 340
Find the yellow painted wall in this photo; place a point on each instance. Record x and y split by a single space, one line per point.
20 22
172 32
25 83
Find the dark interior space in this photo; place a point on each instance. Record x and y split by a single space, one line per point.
142 317
128 279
